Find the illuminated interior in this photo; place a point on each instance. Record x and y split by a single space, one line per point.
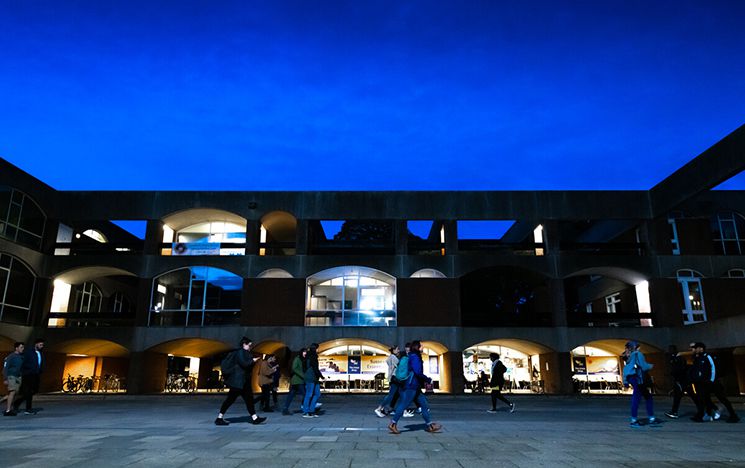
523 369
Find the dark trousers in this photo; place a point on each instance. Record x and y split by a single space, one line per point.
266 391
246 393
295 389
29 387
677 396
496 394
704 404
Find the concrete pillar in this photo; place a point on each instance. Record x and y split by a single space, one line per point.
556 372
739 371
451 236
301 237
41 302
401 237
551 237
453 380
558 302
54 368
142 304
147 372
50 236
253 229
153 237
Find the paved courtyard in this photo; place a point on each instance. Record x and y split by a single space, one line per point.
175 431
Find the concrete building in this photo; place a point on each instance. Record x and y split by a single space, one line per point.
557 281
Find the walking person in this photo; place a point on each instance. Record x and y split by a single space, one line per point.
679 373
12 375
31 369
236 369
412 384
634 373
393 385
312 379
297 382
267 368
497 383
706 380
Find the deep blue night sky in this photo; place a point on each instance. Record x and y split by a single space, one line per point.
376 95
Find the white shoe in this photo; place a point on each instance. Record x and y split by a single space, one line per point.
318 405
716 416
379 413
409 413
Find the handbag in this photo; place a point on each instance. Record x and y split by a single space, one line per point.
429 387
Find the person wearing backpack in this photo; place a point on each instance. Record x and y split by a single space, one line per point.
496 383
236 370
393 385
633 374
410 372
297 382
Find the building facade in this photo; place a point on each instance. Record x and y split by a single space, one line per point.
555 281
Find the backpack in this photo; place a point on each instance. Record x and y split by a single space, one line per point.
403 372
229 363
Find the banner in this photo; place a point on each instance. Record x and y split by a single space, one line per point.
196 248
354 364
336 364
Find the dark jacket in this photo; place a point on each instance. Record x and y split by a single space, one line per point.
312 372
703 369
31 362
417 368
497 373
241 376
678 368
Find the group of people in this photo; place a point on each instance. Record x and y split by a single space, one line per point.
21 374
699 380
237 369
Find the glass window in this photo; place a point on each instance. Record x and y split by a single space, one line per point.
16 290
359 297
613 303
196 296
210 238
21 219
88 298
694 310
727 229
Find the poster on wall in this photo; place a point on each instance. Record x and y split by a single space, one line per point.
354 364
334 364
374 365
196 248
434 365
602 365
580 364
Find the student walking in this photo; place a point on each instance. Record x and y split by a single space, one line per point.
312 379
393 386
267 368
634 373
411 386
706 381
297 382
679 373
497 383
31 369
236 369
12 375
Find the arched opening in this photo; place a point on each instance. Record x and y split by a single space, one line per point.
352 365
353 296
17 283
204 231
428 273
597 367
196 296
504 296
278 233
275 273
520 357
90 365
187 365
93 297
436 366
608 297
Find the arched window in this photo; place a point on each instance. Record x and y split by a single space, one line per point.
95 235
729 233
208 238
736 273
16 290
694 310
21 219
351 296
88 298
196 296
274 273
428 273
120 303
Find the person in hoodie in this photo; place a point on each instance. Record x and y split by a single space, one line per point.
238 381
411 389
633 374
679 373
297 382
706 380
